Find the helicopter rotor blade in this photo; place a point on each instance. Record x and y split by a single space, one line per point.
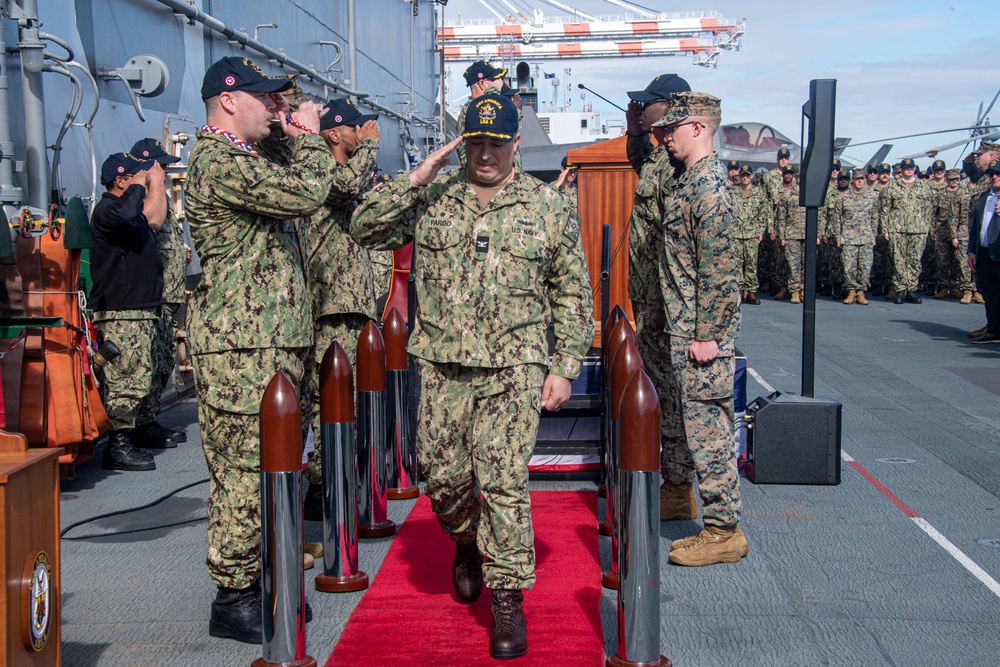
932 152
986 113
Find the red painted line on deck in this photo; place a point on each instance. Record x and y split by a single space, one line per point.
906 509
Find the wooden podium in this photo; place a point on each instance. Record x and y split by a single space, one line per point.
605 189
29 528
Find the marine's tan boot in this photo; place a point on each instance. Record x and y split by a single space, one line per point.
977 298
891 293
955 293
314 549
860 298
852 297
781 295
678 503
966 298
715 544
943 293
308 561
796 297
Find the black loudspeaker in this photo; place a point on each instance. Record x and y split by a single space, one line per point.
793 440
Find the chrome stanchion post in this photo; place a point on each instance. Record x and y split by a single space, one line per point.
639 524
340 476
625 364
283 588
402 455
372 464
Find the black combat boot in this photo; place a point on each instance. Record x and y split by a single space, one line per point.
826 289
509 632
153 436
838 292
121 454
467 572
237 614
912 298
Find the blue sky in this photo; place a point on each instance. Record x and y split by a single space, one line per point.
901 67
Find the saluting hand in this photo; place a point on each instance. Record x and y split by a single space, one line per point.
307 115
369 130
433 163
633 116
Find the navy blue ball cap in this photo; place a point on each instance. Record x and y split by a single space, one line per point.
122 164
836 163
493 116
151 149
789 169
732 164
746 169
660 89
884 168
481 70
994 167
784 152
343 112
938 165
234 73
906 163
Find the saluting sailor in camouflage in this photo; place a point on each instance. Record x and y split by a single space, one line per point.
905 212
490 279
341 279
792 232
250 317
854 223
170 241
130 376
657 178
701 292
753 218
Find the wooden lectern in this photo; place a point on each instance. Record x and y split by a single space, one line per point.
29 528
606 185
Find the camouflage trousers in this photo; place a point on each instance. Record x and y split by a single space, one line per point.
345 329
795 252
230 386
907 249
128 380
654 348
164 361
928 261
952 264
766 260
857 265
881 273
746 254
706 392
479 425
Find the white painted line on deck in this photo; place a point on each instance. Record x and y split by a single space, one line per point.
760 380
921 523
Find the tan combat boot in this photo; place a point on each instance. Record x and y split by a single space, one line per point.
891 293
977 298
715 544
943 293
955 293
860 298
796 297
966 298
852 297
678 503
781 295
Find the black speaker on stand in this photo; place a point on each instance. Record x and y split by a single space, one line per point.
793 440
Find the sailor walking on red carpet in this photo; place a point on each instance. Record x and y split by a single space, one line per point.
498 258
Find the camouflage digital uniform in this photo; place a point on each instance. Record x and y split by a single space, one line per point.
170 241
792 232
881 273
904 213
854 222
929 267
341 279
767 258
700 288
952 268
250 317
753 218
657 178
489 281
129 379
829 261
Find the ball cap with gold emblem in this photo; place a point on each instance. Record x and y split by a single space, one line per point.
481 70
994 167
492 116
683 105
343 112
233 73
151 149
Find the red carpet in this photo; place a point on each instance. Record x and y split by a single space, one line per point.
410 615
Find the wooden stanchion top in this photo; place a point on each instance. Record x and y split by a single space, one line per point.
280 427
639 448
395 335
622 331
626 362
371 359
336 389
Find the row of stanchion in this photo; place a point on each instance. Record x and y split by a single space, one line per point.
367 459
630 470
